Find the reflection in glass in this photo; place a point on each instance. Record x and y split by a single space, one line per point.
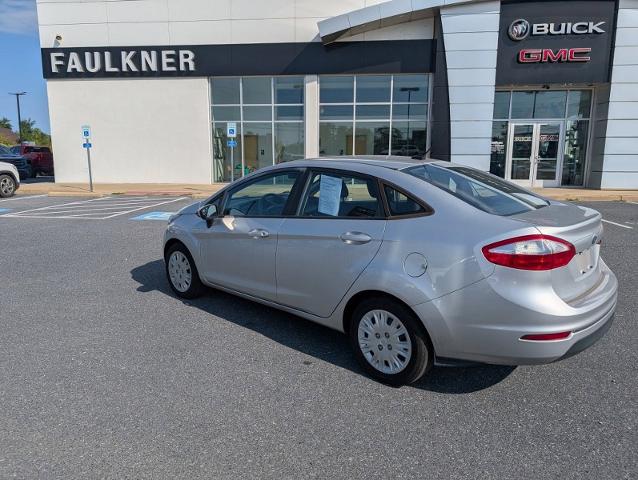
578 103
289 89
522 104
289 142
226 114
522 151
410 88
373 88
335 112
548 141
372 138
225 91
338 89
335 138
257 146
409 138
224 169
575 152
373 112
254 113
289 112
413 111
550 104
499 148
256 90
501 105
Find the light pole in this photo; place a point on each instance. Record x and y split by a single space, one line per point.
18 95
409 90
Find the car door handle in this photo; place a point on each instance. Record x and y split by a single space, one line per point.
355 238
259 233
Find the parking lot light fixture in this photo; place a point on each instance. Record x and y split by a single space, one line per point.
18 95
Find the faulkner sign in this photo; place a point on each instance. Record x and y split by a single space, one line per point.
555 42
404 56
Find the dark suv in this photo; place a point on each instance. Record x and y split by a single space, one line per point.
20 162
40 158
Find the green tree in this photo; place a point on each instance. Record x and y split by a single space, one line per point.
31 133
5 123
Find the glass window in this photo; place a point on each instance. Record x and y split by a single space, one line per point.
481 190
289 112
502 104
336 112
333 195
372 138
499 148
335 138
400 204
225 91
257 146
576 134
263 197
578 103
226 161
373 88
410 88
289 141
256 90
373 112
336 89
522 104
409 139
411 111
289 90
226 114
260 113
550 104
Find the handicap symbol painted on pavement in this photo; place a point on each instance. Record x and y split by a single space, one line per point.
154 216
5 210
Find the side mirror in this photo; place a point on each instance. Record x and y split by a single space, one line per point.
208 213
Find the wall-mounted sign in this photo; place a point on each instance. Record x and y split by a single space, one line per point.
231 129
86 131
383 56
542 42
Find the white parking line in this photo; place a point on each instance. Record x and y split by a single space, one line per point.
19 197
618 224
94 209
633 203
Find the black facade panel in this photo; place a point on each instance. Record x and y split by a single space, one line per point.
440 142
400 56
544 42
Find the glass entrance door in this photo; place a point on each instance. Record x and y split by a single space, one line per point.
534 156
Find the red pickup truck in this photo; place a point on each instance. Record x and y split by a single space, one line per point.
40 158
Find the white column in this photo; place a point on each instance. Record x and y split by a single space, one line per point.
311 115
619 167
470 33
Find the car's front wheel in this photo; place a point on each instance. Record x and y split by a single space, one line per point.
182 273
389 342
7 186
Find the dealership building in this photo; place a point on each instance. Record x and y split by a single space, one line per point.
544 93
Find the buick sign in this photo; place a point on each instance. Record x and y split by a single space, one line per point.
519 29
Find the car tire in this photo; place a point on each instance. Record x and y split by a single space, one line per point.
381 325
182 273
7 186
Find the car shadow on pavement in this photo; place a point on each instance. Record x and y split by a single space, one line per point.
310 338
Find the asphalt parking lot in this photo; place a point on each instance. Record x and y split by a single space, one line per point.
104 373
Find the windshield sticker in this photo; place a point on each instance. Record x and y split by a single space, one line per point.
329 195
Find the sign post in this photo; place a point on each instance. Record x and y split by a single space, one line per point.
86 134
231 134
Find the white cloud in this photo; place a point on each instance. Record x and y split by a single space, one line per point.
18 16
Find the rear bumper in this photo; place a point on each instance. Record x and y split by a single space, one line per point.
477 324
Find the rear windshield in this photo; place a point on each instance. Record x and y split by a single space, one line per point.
481 190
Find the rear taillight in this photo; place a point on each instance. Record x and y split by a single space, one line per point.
530 252
546 337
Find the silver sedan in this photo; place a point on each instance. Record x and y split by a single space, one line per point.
418 262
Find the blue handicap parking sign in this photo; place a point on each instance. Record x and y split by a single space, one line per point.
5 210
87 145
231 143
154 216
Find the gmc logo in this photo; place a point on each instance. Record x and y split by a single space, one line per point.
547 55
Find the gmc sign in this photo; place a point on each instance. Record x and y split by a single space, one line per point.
547 55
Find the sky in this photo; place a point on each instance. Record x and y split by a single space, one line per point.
20 64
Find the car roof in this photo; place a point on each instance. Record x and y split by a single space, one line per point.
392 162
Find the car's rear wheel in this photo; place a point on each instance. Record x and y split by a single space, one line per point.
389 342
182 273
7 186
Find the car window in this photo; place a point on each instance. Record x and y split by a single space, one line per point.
482 190
4 150
400 204
336 195
15 150
265 196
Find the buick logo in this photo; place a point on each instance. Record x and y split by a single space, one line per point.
519 29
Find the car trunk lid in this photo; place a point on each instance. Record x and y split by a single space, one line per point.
580 226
